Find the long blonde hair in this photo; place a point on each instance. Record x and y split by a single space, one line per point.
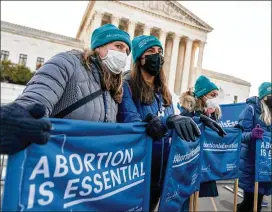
265 113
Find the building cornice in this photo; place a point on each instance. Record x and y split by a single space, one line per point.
225 77
40 34
185 23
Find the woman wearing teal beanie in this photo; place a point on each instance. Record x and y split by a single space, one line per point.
147 98
61 86
203 101
255 120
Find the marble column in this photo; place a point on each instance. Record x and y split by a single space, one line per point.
179 71
115 21
163 35
192 75
201 46
147 30
186 67
96 22
131 31
173 64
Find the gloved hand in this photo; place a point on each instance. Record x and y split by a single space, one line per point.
238 126
185 127
155 128
257 132
19 127
212 124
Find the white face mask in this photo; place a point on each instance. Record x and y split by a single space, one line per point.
115 61
212 103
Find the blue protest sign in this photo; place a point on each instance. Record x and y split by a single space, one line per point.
230 114
220 156
263 166
85 166
182 174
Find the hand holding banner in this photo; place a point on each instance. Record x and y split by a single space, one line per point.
82 168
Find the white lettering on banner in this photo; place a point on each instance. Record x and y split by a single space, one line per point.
187 158
227 123
266 149
231 166
116 168
220 147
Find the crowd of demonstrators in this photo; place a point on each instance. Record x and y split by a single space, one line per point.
89 86
255 120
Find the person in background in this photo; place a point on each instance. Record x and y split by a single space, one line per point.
255 120
195 104
65 80
147 98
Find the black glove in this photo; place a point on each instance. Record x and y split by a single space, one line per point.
19 127
239 127
185 127
212 124
155 128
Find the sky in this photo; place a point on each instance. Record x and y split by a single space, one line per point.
239 45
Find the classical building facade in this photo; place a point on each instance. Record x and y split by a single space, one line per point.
32 47
180 31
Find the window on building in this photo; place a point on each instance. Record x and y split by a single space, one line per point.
39 63
22 59
4 55
235 99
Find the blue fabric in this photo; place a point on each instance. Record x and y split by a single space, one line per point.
131 111
220 157
249 118
183 173
143 42
230 114
203 86
82 168
265 89
109 33
263 170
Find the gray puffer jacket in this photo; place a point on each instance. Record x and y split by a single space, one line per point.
64 80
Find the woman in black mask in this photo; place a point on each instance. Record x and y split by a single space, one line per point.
255 119
146 98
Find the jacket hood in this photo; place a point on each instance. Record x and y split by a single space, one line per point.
187 101
254 100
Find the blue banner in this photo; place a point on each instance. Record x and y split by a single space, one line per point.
230 114
85 166
220 156
182 174
263 166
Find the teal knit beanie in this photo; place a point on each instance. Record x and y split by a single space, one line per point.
265 89
143 42
203 86
108 33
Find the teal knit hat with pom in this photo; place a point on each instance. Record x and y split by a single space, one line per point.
265 89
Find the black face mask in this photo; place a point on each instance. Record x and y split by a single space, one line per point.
268 102
153 64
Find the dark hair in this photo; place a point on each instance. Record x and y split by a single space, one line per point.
143 91
109 81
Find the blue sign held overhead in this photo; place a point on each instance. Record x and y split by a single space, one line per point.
82 168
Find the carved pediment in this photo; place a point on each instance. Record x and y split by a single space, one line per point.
171 9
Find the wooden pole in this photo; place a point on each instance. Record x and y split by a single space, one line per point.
196 201
256 188
191 206
235 194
